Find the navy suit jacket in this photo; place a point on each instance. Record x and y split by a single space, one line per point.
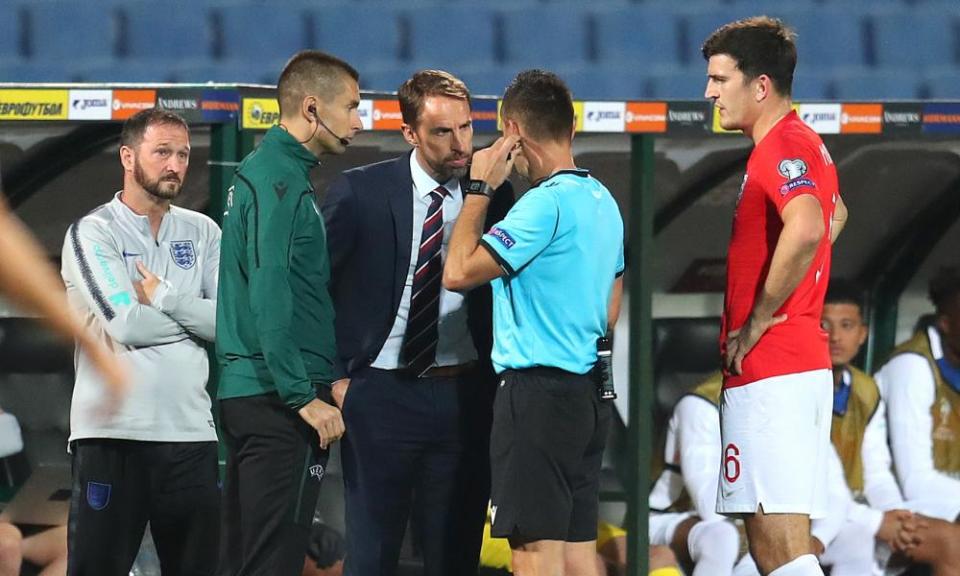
368 213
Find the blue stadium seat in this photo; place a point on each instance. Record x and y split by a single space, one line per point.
546 36
65 30
10 28
888 84
827 37
809 83
679 84
21 71
451 38
385 78
258 35
155 31
113 70
639 35
925 36
607 82
943 83
226 72
489 82
364 35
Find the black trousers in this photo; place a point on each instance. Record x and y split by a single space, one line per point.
274 469
120 485
416 446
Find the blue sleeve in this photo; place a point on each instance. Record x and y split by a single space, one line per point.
527 229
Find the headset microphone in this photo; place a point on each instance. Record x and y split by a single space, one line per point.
343 141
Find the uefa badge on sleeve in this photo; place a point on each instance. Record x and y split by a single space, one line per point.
183 253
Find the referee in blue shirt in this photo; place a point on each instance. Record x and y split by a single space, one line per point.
555 263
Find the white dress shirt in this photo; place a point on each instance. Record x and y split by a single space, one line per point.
455 345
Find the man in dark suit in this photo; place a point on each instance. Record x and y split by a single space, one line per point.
415 357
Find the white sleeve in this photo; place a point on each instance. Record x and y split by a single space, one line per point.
93 263
879 484
839 501
698 434
197 313
910 390
865 516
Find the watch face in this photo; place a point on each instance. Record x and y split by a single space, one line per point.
475 186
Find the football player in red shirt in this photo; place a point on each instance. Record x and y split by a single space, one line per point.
777 398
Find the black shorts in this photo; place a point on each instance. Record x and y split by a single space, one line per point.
549 432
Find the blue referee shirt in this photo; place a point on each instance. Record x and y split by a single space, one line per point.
561 246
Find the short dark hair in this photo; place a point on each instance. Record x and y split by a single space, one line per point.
311 71
945 287
842 291
134 127
424 84
541 102
760 45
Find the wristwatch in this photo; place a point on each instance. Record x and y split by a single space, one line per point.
479 187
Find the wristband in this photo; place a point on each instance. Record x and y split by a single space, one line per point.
479 187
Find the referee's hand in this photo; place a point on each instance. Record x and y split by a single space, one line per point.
325 419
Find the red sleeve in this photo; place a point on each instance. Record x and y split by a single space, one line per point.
790 172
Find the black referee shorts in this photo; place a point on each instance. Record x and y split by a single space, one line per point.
549 432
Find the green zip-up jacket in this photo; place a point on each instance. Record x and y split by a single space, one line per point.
274 312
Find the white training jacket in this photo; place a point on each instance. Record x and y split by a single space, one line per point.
161 343
907 385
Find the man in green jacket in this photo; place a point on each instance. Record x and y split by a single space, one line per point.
275 339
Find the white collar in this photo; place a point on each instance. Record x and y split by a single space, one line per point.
936 346
424 184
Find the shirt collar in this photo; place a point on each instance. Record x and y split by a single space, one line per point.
281 139
424 184
841 396
936 346
141 221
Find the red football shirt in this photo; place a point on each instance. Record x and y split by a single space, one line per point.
790 160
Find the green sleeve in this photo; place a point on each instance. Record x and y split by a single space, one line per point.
271 299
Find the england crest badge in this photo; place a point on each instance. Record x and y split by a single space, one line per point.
183 253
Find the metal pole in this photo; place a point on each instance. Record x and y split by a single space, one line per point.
640 282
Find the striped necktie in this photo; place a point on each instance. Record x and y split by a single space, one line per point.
420 339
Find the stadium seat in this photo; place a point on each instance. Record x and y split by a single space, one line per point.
11 25
114 70
257 34
453 38
364 35
35 385
679 84
226 72
545 36
921 36
608 82
154 31
809 83
489 82
685 351
638 36
827 37
66 30
386 78
888 84
943 83
31 72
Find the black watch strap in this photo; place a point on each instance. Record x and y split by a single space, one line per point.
479 187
